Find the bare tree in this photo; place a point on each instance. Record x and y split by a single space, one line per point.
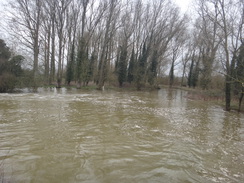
209 39
225 18
111 16
186 57
229 11
71 27
62 7
25 22
46 33
169 28
176 46
125 34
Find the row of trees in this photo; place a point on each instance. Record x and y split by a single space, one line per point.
90 40
218 40
133 40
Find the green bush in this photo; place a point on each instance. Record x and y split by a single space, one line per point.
7 82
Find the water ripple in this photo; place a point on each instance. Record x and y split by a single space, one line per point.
74 136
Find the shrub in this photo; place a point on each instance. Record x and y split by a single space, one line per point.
7 82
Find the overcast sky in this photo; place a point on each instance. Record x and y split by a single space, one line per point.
184 4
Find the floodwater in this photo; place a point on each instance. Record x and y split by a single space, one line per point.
68 136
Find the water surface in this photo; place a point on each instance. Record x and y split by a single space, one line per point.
92 137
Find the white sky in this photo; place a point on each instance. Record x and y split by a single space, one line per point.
184 4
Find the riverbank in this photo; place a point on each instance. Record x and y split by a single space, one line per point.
216 96
115 87
213 95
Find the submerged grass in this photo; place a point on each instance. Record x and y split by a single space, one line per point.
216 96
212 95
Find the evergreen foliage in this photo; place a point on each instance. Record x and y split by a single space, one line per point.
132 65
81 60
70 66
91 67
122 65
193 73
206 71
10 68
153 68
141 67
240 65
240 74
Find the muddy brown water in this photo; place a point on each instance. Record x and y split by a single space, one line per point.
69 135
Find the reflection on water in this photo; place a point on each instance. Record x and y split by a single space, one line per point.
76 136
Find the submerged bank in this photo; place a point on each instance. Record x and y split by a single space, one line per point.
212 95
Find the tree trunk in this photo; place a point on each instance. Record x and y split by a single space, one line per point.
59 74
228 93
183 75
106 41
47 56
52 72
35 67
240 99
171 75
